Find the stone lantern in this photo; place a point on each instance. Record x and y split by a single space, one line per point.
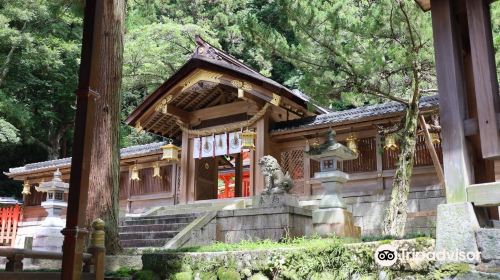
332 216
49 236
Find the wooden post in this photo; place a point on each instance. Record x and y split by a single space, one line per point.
97 248
457 170
75 230
184 168
485 77
238 175
261 149
380 165
432 151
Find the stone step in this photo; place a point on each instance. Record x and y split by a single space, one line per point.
164 216
170 220
153 227
137 243
147 235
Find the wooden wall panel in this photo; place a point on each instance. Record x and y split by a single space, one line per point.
148 185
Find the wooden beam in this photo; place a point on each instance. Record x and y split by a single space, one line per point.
471 126
180 114
432 151
485 77
457 168
220 111
486 194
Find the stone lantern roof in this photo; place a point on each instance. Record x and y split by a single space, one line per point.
56 184
331 149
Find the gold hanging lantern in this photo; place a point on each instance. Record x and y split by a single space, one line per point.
390 142
247 139
26 188
352 143
156 170
170 152
134 173
435 138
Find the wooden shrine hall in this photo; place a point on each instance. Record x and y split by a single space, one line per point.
224 116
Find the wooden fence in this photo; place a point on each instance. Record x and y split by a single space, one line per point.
10 216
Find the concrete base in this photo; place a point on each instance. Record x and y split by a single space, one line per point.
455 229
336 221
274 200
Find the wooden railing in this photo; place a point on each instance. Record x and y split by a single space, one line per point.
10 217
93 260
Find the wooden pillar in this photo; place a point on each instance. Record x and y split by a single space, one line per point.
75 230
191 173
261 149
457 168
485 77
185 159
173 181
238 175
379 150
307 175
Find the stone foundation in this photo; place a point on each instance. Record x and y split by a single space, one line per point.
273 223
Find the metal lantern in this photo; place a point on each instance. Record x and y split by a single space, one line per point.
435 138
26 188
352 143
156 170
390 142
134 173
247 139
170 152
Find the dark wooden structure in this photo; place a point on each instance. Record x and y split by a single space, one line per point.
470 100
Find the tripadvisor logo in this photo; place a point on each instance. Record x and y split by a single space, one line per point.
386 255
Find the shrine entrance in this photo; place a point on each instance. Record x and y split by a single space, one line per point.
220 177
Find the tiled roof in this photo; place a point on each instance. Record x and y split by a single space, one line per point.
64 162
355 114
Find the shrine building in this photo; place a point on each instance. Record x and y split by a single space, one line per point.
215 109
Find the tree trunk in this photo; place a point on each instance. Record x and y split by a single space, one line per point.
105 168
395 219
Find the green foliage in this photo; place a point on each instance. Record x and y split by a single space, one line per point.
247 245
146 275
341 47
122 272
450 270
227 274
183 276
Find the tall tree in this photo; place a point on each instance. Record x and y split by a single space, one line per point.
360 51
105 163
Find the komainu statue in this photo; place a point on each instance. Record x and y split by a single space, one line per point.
275 180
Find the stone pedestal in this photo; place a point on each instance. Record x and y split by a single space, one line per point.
456 228
274 200
336 221
332 216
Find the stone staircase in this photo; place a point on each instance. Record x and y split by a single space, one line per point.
152 231
157 226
